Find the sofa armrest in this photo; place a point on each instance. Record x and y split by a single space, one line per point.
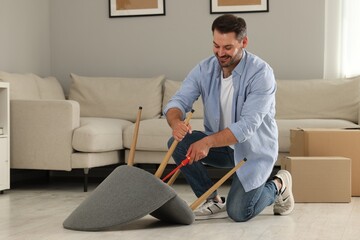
41 133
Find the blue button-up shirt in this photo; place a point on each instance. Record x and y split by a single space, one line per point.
253 112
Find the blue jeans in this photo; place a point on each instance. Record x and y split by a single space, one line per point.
241 206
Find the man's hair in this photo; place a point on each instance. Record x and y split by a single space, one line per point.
229 23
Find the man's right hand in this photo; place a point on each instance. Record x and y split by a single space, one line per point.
180 129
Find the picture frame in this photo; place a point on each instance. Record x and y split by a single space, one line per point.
136 8
238 6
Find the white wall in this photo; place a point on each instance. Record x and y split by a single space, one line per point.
25 36
82 38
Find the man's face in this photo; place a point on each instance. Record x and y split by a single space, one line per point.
227 48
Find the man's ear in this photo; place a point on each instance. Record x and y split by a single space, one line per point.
245 41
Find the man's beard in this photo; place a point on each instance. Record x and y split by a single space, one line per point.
232 60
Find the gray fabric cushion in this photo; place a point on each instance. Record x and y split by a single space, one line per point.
175 210
127 194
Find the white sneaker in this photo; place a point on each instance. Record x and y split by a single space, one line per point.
284 204
211 209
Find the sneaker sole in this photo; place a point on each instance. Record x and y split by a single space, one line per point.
289 210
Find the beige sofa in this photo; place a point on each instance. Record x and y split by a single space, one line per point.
95 126
47 132
316 103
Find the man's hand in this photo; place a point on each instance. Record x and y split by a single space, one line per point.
198 150
180 129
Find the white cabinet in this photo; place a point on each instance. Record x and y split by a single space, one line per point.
4 137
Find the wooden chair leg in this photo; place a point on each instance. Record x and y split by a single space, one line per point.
159 172
174 177
203 197
134 139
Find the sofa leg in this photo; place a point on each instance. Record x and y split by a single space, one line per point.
86 174
48 176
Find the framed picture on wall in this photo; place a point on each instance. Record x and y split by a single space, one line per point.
136 8
238 6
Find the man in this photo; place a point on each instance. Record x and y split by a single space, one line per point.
238 93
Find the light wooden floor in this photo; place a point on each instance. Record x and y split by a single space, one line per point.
37 212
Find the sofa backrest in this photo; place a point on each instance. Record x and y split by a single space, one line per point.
31 87
171 87
116 97
318 98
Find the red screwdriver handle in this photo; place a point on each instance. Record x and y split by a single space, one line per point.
182 164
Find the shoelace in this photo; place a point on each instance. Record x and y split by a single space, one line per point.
207 204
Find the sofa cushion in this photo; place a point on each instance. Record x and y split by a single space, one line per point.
99 134
30 86
50 88
22 86
285 125
171 87
154 134
117 97
318 98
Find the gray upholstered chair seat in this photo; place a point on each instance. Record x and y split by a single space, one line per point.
127 194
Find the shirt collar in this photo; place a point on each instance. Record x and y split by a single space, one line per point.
240 67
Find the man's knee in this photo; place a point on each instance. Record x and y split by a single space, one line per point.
238 213
240 216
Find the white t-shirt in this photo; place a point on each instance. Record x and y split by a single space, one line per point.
226 101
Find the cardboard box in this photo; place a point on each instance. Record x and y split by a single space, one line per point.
319 179
330 142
